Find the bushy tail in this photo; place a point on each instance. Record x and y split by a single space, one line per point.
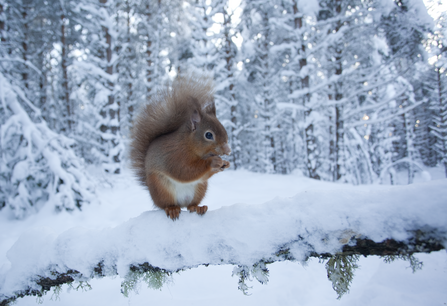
165 113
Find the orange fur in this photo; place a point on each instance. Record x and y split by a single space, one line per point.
170 151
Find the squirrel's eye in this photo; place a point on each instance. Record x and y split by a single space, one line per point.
208 135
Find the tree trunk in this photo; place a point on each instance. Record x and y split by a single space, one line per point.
311 151
442 122
269 138
151 65
25 47
2 26
148 53
130 109
339 131
229 59
408 126
109 111
309 138
338 146
66 93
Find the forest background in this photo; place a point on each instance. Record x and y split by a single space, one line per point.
352 91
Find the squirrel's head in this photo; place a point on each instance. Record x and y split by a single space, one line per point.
210 137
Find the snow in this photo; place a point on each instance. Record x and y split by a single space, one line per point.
419 10
250 215
309 8
386 6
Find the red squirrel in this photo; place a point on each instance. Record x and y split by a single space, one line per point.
176 145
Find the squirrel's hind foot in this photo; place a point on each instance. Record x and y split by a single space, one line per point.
201 210
173 212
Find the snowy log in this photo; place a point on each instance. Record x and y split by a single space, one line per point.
337 221
364 247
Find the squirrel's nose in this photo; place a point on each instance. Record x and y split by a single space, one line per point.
226 149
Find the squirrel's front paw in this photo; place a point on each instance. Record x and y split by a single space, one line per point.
216 163
226 164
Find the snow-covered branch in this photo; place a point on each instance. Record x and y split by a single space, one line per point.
371 220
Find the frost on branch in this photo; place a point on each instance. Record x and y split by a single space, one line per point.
37 165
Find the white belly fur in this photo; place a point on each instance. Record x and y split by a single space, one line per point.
184 192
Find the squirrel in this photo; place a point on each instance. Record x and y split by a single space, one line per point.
176 144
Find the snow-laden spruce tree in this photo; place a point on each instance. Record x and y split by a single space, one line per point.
436 45
297 71
345 52
143 34
289 71
211 49
200 15
131 67
178 44
426 113
99 131
358 75
154 38
263 138
37 166
110 122
226 76
404 28
439 127
423 76
40 32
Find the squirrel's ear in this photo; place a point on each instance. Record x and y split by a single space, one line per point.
195 119
210 108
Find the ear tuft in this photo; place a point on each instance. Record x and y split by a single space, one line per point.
210 108
195 119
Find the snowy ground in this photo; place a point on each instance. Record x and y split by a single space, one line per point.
375 282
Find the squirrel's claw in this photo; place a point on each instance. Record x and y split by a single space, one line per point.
201 210
218 164
173 212
226 164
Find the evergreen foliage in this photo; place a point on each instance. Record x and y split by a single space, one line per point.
340 271
37 165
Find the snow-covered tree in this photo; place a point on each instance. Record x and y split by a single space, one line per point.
404 29
37 165
439 127
226 76
130 89
95 76
203 50
263 132
337 89
436 45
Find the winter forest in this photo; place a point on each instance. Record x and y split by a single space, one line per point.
352 92
347 91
